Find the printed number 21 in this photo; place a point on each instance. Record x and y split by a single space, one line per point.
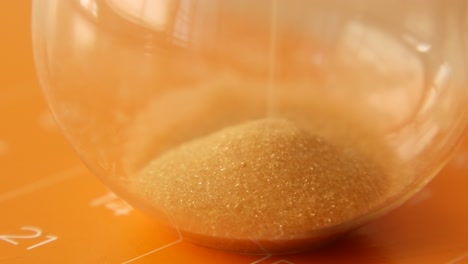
35 233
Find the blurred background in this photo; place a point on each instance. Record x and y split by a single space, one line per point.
16 52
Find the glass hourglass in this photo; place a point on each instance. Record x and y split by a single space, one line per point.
257 126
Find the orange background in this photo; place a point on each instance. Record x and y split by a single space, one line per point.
53 211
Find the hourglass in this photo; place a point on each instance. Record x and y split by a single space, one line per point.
257 126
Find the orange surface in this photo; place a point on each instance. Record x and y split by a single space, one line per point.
54 211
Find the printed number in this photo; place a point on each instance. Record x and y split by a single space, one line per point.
33 232
112 203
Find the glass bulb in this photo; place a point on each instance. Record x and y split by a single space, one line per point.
257 126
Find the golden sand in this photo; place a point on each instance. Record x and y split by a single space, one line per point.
262 180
